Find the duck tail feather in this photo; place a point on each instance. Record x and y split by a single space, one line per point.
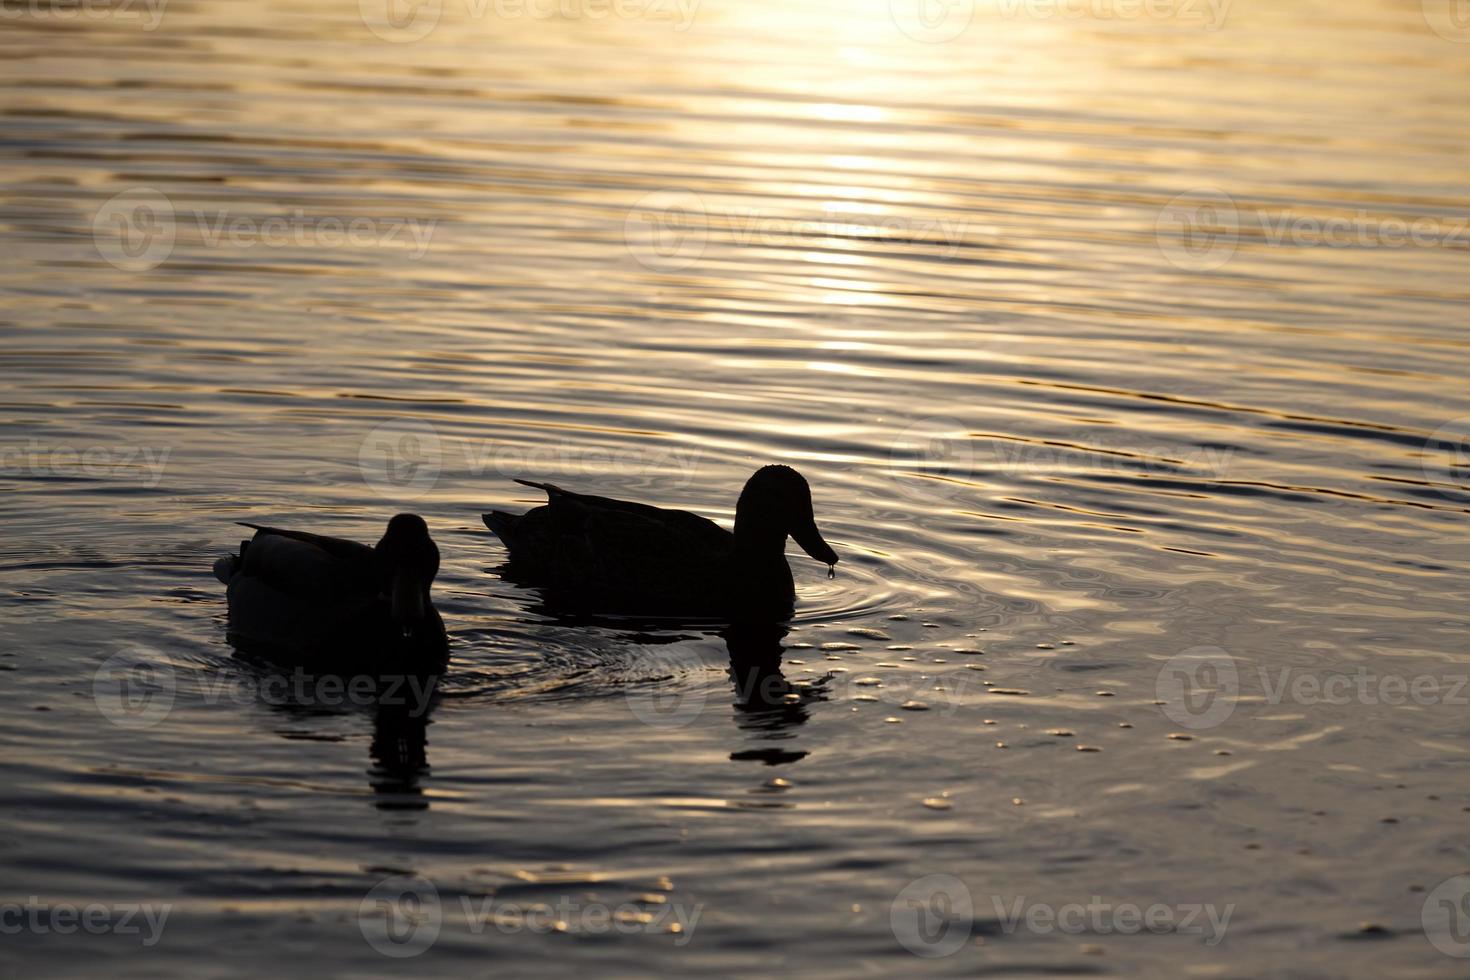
500 522
550 488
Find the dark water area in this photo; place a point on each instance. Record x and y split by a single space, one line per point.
1125 355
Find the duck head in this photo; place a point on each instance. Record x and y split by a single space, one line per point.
410 560
777 502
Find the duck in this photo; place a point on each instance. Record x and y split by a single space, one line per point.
609 555
314 597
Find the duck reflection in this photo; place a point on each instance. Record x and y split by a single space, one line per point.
401 706
400 754
768 706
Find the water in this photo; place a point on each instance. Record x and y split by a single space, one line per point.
1133 446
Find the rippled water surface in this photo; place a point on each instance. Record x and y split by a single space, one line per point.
1129 394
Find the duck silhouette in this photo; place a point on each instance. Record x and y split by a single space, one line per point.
328 600
614 555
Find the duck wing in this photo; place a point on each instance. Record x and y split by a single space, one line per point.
603 547
310 567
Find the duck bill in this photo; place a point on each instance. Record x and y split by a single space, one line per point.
407 601
811 542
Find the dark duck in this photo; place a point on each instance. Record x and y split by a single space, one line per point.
601 554
311 597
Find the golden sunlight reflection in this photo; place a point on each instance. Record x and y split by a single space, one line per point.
1043 301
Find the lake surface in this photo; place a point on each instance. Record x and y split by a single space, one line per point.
1124 349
